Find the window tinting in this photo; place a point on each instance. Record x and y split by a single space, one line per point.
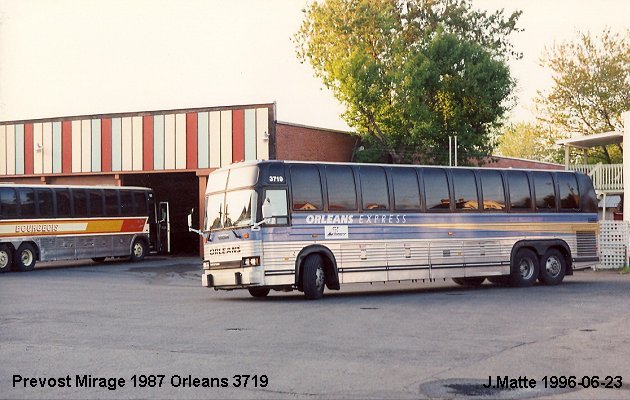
374 188
242 177
306 188
435 189
63 202
492 190
569 195
140 203
406 189
545 193
45 203
341 188
520 197
111 202
96 202
126 203
27 203
8 203
80 202
465 190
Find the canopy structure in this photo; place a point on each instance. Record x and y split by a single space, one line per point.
607 179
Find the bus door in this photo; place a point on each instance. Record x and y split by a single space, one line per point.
164 228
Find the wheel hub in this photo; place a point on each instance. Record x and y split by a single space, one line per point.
553 266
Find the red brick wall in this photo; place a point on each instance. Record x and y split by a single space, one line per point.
507 162
304 143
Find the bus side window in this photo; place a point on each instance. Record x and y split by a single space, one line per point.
62 197
341 188
306 188
45 203
545 192
95 197
436 191
465 190
111 203
520 196
406 189
27 203
79 197
140 203
8 203
374 192
126 203
569 195
492 189
278 200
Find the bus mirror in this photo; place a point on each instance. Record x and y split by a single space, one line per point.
267 211
190 227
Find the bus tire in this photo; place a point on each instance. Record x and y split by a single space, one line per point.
472 281
6 258
25 258
553 267
138 250
258 291
313 277
524 268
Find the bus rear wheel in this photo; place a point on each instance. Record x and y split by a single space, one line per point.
138 250
524 268
472 281
6 257
258 291
552 267
25 259
313 277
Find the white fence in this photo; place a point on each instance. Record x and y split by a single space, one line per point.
614 238
606 177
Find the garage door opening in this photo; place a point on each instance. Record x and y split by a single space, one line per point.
180 190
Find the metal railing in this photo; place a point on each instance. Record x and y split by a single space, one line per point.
606 177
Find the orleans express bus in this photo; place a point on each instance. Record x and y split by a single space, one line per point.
51 222
305 226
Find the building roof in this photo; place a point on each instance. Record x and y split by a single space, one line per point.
594 140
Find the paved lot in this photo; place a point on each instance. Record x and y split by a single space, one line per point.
117 320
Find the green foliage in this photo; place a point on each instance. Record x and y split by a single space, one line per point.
412 73
591 87
530 141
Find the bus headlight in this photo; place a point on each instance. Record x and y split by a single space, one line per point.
250 261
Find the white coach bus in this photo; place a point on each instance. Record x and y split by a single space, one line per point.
294 225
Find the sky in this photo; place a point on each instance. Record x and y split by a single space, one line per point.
66 58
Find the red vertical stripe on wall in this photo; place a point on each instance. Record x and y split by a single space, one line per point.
147 142
66 147
191 140
238 135
106 144
28 149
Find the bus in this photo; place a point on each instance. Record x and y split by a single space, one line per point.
307 226
55 222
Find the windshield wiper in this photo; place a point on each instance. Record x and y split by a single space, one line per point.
236 234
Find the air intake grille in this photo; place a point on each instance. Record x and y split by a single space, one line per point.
586 244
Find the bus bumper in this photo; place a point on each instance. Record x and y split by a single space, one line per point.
232 278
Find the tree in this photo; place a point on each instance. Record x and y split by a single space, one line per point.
411 73
591 87
530 141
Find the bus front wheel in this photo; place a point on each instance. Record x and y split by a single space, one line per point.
524 268
313 277
552 267
6 257
25 259
138 250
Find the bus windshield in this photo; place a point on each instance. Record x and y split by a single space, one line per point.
231 210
